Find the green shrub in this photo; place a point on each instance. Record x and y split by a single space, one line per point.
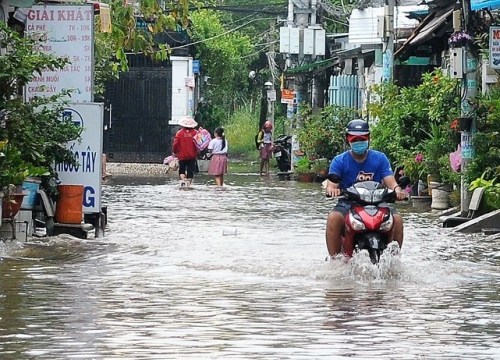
412 121
491 196
486 143
240 130
32 134
303 165
322 135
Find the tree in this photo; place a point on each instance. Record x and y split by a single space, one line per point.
32 135
134 28
225 57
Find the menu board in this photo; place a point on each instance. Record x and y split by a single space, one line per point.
65 31
495 47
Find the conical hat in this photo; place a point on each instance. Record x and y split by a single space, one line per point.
188 122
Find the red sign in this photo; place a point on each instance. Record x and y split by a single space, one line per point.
287 96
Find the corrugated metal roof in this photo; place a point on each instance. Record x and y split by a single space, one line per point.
363 23
434 22
427 31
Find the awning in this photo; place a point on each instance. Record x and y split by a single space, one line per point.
418 14
314 67
359 51
485 4
19 3
427 32
432 25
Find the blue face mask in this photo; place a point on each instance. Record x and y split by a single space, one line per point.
359 147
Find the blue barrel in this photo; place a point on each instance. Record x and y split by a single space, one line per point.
30 188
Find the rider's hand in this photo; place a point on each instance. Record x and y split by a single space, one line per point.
400 194
333 191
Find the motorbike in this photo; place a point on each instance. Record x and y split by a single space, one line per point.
369 225
282 151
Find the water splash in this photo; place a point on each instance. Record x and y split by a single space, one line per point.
389 267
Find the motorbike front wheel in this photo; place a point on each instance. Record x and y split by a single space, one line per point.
374 255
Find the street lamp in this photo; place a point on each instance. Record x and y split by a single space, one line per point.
271 98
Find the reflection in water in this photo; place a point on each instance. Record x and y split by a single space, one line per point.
238 273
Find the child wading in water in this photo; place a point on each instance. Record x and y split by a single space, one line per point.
217 151
266 147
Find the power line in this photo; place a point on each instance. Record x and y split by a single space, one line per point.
219 35
245 8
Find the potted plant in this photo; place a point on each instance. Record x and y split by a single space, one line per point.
459 39
415 168
303 170
437 149
13 172
320 168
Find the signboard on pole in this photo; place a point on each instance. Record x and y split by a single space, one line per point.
65 31
88 153
271 95
196 66
495 47
287 96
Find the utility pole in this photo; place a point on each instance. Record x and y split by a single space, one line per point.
301 86
303 41
388 43
469 86
271 99
270 85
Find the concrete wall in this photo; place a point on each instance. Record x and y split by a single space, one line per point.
489 220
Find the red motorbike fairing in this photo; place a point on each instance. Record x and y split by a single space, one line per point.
371 216
367 213
371 221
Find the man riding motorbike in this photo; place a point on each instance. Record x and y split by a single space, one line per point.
357 164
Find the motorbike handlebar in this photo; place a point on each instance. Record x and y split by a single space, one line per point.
329 197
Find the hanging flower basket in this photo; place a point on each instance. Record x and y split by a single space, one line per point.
459 39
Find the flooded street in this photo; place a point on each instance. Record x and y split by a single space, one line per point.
239 273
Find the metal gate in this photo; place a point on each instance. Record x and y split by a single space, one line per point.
344 91
139 107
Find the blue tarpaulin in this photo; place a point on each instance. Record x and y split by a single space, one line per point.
485 4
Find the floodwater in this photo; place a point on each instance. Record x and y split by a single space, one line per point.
239 273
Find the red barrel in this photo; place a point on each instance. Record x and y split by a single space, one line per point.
69 206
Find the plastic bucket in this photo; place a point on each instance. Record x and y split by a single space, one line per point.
30 188
69 204
440 199
11 205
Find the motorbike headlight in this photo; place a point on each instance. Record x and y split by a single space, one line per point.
364 195
378 195
356 224
387 225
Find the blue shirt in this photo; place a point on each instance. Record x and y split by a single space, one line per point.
375 167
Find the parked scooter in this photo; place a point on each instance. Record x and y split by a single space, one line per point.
369 225
282 151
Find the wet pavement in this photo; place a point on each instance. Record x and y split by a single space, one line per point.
239 273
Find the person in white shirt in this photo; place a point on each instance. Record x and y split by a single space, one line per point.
266 146
217 151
